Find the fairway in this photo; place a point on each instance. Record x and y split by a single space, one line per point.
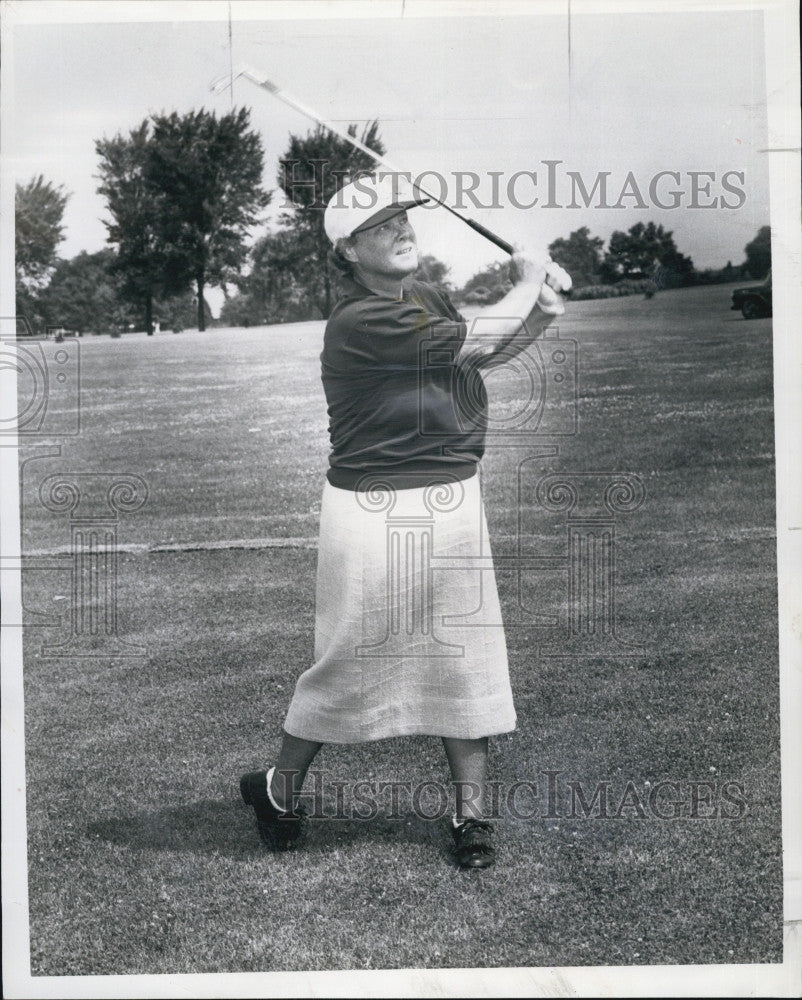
143 859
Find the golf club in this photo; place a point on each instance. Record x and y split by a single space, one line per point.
221 83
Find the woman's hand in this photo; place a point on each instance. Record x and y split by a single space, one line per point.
528 268
558 278
550 302
558 282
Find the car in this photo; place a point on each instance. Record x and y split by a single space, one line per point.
754 301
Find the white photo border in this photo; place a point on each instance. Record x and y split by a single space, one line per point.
782 89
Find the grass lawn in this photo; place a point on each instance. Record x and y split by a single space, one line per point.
142 858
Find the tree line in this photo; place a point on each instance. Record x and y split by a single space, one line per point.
183 195
642 259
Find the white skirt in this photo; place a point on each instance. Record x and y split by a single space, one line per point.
408 632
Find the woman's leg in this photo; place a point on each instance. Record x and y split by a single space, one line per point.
293 763
468 762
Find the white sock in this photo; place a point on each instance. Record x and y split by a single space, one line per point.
456 821
273 802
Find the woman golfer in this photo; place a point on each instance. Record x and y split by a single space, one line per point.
404 569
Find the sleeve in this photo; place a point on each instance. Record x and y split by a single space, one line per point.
379 331
451 309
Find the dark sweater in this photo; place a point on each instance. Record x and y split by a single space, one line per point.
399 406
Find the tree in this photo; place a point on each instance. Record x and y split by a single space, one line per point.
643 251
276 290
487 286
38 212
84 294
580 255
434 271
313 169
180 311
207 173
135 207
758 253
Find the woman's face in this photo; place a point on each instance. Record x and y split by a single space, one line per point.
389 250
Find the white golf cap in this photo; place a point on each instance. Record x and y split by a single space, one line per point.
367 202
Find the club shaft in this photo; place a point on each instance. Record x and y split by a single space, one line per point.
271 88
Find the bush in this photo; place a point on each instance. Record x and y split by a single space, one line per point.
717 276
477 296
241 310
629 286
253 309
487 286
481 296
180 312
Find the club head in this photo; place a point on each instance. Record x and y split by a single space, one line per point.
257 77
221 83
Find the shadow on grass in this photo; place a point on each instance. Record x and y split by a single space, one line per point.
206 826
220 826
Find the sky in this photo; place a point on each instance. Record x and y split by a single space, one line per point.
623 93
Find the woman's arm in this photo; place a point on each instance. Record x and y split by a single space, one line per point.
509 326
